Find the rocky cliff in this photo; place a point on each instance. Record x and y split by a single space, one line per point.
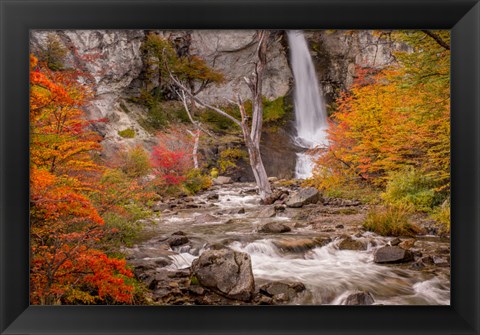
113 61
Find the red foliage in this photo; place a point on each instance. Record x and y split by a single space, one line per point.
172 157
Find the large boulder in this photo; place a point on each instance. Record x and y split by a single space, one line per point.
303 197
275 228
226 272
393 254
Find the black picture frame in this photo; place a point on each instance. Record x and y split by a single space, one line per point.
17 17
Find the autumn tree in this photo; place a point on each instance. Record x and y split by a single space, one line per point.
395 120
66 226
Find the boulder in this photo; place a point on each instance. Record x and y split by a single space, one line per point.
391 254
176 240
303 197
360 298
395 241
282 292
160 207
205 218
226 272
275 228
267 212
302 244
222 180
348 243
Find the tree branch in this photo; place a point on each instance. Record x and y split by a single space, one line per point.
437 39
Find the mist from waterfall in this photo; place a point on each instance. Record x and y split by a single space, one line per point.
310 112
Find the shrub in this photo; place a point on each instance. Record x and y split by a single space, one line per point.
409 187
391 221
229 158
54 53
127 133
441 215
135 162
274 110
196 181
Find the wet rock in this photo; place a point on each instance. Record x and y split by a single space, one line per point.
282 292
395 241
348 243
274 228
297 245
205 218
213 196
407 244
339 226
303 197
360 298
267 212
272 198
417 265
427 260
440 261
227 272
160 207
391 254
222 180
176 240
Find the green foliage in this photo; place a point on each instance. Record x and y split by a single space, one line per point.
275 110
410 187
135 162
229 158
391 221
196 181
219 122
441 215
125 229
127 133
54 53
194 280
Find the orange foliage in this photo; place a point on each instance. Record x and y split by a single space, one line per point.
66 224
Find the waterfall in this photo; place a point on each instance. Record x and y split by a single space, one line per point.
310 112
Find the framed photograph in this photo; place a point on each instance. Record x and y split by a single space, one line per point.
268 167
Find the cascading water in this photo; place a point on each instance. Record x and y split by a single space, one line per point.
310 112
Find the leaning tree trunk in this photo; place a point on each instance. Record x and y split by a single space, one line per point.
252 140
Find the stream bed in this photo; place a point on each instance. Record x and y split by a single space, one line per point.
311 253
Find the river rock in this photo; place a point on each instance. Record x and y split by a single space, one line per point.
222 180
395 241
160 207
227 272
267 212
205 218
303 197
407 244
391 254
360 298
275 228
348 243
176 240
282 292
301 245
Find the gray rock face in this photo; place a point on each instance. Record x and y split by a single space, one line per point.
275 228
360 298
227 272
394 254
303 197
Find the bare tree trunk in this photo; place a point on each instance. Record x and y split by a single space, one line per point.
196 136
251 134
